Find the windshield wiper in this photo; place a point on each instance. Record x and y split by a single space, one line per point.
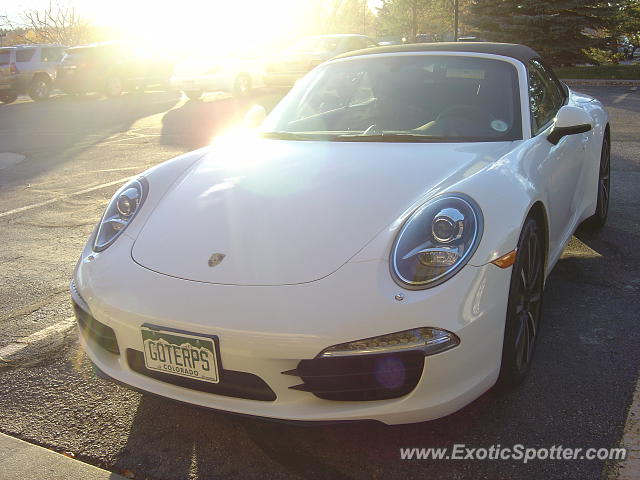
400 138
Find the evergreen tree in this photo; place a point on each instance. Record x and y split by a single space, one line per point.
410 17
628 21
559 30
394 18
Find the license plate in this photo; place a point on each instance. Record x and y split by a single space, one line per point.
180 353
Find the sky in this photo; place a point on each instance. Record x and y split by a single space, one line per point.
197 20
111 11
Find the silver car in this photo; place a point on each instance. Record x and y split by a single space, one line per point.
28 69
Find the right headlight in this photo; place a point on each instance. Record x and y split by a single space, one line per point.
436 241
122 208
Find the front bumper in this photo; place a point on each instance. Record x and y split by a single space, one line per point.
9 83
264 331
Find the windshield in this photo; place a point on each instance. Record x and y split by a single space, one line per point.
403 98
316 45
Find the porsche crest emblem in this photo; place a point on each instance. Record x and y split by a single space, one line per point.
216 259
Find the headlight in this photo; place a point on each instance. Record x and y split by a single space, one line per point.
429 340
436 241
122 208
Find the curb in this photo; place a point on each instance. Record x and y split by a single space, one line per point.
588 82
629 469
23 460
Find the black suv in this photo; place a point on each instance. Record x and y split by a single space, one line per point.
110 68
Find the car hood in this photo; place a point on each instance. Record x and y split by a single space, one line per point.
274 212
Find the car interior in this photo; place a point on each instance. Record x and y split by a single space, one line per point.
441 97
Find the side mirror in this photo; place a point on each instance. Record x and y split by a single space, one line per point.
254 117
569 121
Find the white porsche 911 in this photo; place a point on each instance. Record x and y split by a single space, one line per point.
377 250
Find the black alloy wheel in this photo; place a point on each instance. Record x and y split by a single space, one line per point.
524 306
598 219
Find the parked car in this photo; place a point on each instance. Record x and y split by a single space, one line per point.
292 64
28 69
377 250
111 68
236 72
425 38
391 40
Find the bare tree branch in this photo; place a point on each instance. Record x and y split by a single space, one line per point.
53 24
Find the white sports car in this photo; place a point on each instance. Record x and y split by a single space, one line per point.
377 250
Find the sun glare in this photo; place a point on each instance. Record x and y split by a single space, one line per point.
211 27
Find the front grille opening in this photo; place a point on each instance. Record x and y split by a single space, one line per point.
360 377
232 383
102 335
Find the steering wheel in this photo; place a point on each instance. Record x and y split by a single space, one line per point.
464 120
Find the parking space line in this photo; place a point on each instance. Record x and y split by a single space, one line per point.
621 98
115 169
62 197
11 351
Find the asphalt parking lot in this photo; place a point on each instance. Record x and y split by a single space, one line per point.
72 154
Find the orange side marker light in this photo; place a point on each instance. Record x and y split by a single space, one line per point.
505 261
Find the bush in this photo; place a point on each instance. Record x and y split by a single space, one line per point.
597 56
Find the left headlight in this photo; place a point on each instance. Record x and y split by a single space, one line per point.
436 241
122 208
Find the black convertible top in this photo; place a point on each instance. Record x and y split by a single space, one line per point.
513 50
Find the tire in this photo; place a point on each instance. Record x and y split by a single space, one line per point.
242 86
598 219
8 97
194 94
113 86
40 88
524 306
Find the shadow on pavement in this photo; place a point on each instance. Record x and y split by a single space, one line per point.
55 131
196 123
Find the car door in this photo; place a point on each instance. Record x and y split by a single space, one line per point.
7 58
357 43
559 166
26 63
350 44
50 58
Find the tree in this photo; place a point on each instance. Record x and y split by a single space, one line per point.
400 17
559 30
349 16
411 17
628 21
54 24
